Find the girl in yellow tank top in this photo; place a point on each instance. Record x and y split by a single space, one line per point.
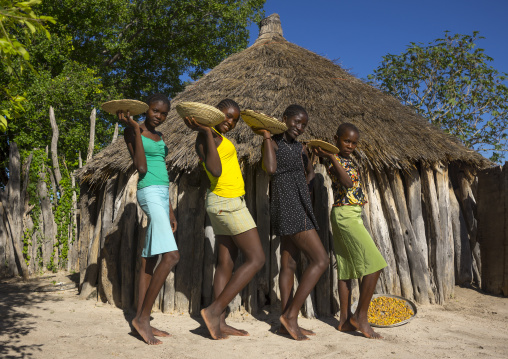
231 221
230 183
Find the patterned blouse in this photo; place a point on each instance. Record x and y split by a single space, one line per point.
347 196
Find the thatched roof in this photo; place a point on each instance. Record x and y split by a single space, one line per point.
274 73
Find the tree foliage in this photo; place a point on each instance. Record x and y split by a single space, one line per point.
450 82
107 49
18 24
141 47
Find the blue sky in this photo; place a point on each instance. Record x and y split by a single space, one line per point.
360 32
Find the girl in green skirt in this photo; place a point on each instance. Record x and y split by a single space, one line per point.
356 252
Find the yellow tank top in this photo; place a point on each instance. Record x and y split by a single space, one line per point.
230 183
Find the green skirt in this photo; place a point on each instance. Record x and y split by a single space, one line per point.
356 252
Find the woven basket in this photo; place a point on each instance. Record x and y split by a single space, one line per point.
323 145
257 120
204 114
134 107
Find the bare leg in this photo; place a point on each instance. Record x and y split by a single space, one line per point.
227 254
359 319
145 276
289 253
250 245
142 320
345 306
310 244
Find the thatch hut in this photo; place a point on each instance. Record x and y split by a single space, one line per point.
419 181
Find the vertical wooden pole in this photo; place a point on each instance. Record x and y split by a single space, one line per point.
263 220
381 234
396 233
419 271
92 135
323 198
444 249
168 304
462 250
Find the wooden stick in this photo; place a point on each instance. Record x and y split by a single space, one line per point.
420 276
92 135
115 133
323 200
381 234
396 235
444 249
54 147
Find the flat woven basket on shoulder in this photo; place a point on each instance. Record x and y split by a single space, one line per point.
134 107
204 114
258 120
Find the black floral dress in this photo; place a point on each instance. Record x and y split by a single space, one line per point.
290 205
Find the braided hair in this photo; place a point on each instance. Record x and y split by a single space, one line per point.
227 103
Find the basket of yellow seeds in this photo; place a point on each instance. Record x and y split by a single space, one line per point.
386 310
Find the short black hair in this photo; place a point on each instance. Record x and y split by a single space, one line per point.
156 97
293 110
227 103
346 126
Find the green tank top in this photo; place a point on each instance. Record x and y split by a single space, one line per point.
156 172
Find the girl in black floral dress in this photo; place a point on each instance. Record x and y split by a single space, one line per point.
288 162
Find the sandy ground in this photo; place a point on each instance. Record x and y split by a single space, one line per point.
38 324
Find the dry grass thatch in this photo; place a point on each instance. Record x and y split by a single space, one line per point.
274 73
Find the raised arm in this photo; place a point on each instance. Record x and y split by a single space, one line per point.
268 148
338 171
309 171
205 147
132 137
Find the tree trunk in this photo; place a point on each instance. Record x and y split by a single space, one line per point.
54 148
14 208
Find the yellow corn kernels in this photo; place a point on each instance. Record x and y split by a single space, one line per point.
388 311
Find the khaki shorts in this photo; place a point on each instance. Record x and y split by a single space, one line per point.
229 216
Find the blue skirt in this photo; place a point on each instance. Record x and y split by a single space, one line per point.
154 201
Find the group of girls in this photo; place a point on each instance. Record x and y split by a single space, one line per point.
289 163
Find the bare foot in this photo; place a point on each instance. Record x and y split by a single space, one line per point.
213 324
143 328
292 328
160 333
346 326
364 327
284 331
229 330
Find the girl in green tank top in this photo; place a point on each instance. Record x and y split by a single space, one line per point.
148 153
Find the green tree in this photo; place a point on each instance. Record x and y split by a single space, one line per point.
141 47
450 82
107 49
18 24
